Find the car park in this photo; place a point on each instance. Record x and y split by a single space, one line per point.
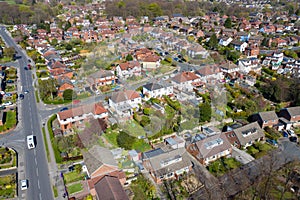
24 184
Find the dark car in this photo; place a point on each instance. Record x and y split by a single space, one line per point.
63 109
26 68
285 134
21 96
293 139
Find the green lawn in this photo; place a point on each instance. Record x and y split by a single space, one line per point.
46 144
111 137
73 176
55 191
77 187
259 149
133 128
7 186
221 166
141 145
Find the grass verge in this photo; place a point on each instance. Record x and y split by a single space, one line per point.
58 158
46 144
37 96
55 191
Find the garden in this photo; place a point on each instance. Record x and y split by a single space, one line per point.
8 158
259 149
143 189
223 165
7 186
10 120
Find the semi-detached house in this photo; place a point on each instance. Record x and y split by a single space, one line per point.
73 117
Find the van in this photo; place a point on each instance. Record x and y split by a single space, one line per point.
30 142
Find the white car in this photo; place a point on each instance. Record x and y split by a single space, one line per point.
30 142
24 184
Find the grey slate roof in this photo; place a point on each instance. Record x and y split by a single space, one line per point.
254 130
268 115
152 86
294 111
96 157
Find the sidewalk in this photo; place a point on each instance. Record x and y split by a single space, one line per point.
55 176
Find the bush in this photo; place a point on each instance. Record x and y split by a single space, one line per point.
252 151
145 121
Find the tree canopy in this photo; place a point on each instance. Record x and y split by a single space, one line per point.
69 94
228 23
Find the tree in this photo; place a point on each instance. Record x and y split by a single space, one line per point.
205 112
69 94
213 41
129 57
228 23
69 47
125 140
9 51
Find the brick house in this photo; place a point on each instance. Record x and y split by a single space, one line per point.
292 114
268 118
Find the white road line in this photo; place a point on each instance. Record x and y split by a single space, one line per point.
40 196
34 152
37 172
39 184
35 160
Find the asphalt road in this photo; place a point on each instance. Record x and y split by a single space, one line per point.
35 163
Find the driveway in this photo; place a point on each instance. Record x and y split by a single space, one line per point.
241 156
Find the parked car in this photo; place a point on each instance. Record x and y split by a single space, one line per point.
272 142
21 96
26 91
285 134
26 68
24 184
63 109
293 139
291 133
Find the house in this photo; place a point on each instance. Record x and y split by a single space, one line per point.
63 87
125 102
229 67
210 73
101 78
77 115
249 134
252 50
225 41
147 58
249 64
128 69
185 81
100 162
169 164
292 114
210 148
156 90
280 42
239 45
175 142
243 36
268 118
196 51
110 188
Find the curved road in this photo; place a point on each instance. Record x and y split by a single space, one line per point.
33 163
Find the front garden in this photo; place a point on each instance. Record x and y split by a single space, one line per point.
8 186
10 120
8 158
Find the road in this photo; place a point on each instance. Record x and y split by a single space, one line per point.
34 161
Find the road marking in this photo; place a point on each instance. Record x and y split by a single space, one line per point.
37 172
39 184
34 152
35 160
40 196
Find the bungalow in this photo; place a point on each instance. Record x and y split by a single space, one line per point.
292 114
156 90
210 149
100 163
128 69
78 115
185 81
125 102
249 134
63 87
164 165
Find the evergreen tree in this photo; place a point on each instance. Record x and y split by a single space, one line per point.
228 23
